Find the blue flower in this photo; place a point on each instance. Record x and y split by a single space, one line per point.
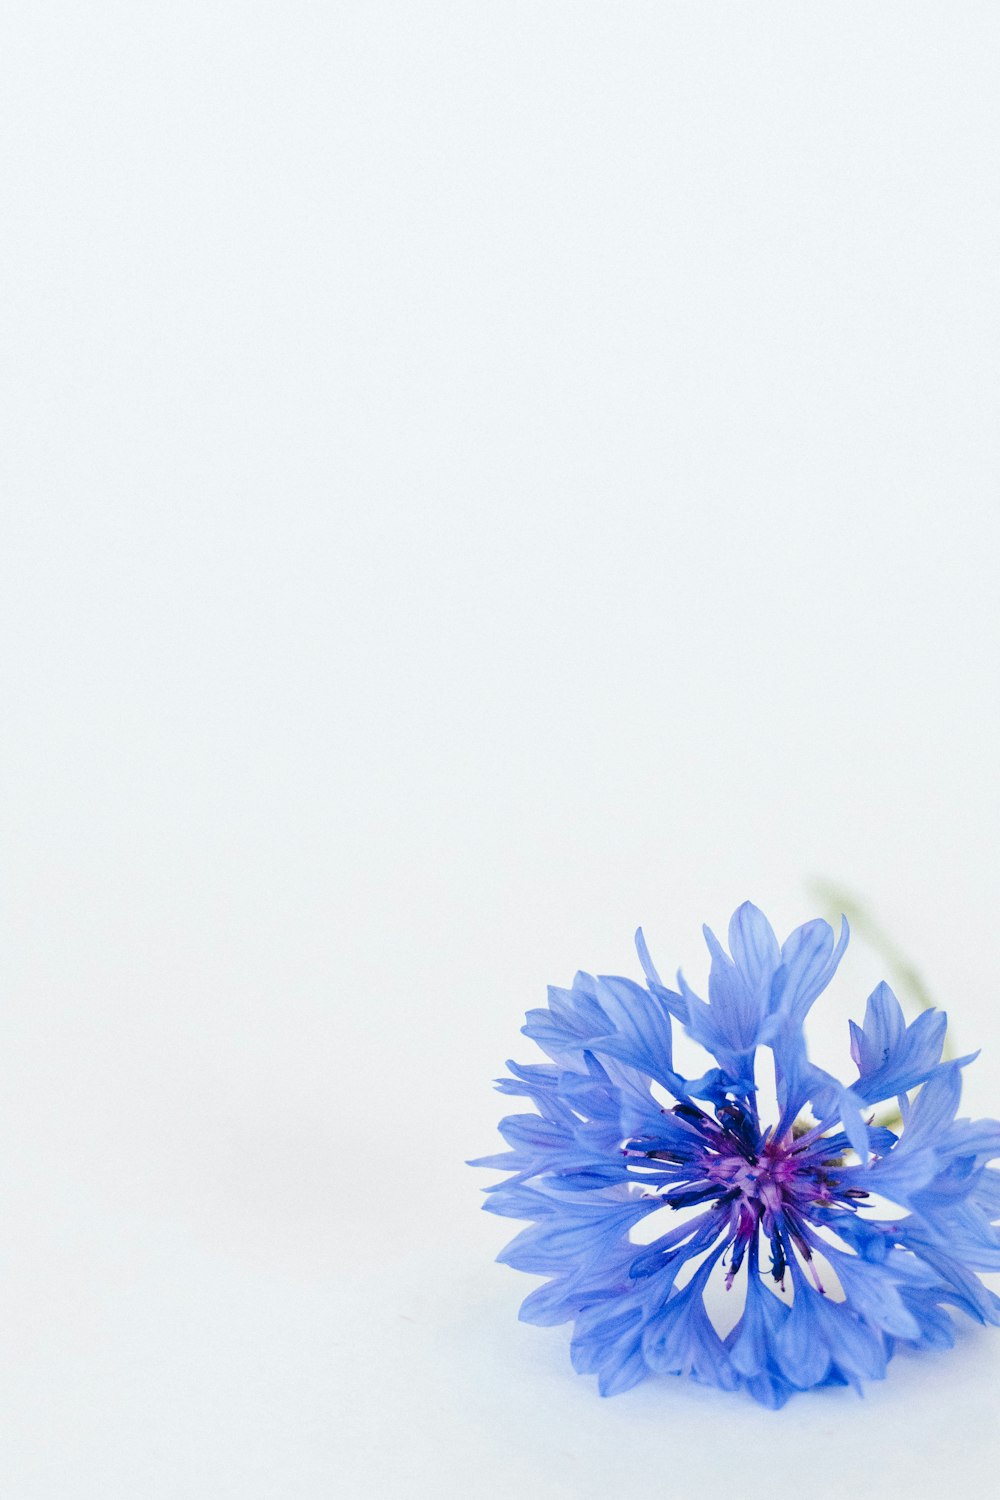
850 1240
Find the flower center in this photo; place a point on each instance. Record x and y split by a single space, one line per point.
751 1182
760 1183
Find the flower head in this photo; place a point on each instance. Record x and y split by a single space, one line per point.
848 1238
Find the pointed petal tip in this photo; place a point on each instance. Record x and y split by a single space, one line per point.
710 938
648 967
748 911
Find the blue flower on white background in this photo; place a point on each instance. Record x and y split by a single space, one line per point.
850 1239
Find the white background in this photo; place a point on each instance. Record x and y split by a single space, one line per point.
476 477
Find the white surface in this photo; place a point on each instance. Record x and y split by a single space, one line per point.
476 477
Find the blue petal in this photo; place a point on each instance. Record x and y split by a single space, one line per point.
849 1108
770 1390
639 1032
858 1351
680 1338
754 947
607 1341
572 1232
872 1291
892 1057
751 1342
737 1008
873 1044
808 963
976 1138
800 1351
937 1331
648 967
934 1107
959 1285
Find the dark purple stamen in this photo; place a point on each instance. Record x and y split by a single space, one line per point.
758 1185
